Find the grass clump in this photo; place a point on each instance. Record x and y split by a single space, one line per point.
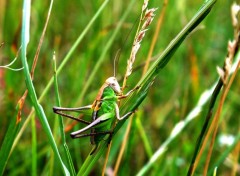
170 105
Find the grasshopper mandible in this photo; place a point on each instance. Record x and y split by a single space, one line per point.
104 110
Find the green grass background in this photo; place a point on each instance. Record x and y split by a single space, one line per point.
174 93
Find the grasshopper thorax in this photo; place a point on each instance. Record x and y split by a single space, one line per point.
113 83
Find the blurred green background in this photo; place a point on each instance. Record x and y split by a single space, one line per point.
174 93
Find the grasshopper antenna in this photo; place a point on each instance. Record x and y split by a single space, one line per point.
116 59
118 54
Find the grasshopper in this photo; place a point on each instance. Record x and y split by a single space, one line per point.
104 110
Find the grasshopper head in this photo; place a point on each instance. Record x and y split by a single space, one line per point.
113 83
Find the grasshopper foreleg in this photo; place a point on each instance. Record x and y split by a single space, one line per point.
127 94
118 114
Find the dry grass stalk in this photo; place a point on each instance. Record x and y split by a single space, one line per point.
145 20
232 45
155 36
224 73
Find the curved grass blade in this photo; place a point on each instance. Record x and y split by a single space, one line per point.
61 127
133 101
38 108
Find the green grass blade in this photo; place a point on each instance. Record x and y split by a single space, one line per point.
7 144
136 98
38 108
144 137
61 127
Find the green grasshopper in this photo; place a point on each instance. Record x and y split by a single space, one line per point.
104 110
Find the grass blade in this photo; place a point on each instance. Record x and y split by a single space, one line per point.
12 132
61 127
38 108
